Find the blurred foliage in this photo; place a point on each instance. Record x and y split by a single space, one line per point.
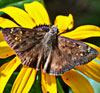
83 11
17 3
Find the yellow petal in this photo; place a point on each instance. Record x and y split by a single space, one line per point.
48 83
30 82
6 23
24 81
5 50
18 80
19 15
64 22
77 82
38 13
97 48
6 71
83 32
92 70
1 37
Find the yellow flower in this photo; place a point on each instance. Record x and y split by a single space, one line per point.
34 15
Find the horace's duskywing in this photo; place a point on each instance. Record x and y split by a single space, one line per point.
43 45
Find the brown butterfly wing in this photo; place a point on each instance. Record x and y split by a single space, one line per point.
68 54
26 42
30 46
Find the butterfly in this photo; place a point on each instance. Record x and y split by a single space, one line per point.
42 45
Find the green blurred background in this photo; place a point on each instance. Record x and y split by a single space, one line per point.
84 11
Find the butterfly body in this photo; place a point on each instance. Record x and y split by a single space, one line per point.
43 45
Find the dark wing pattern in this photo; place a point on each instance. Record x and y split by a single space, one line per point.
68 54
26 42
58 54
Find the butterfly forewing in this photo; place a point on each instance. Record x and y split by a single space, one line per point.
26 42
76 52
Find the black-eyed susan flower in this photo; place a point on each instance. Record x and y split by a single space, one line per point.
35 15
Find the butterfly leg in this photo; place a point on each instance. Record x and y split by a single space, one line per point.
47 62
39 59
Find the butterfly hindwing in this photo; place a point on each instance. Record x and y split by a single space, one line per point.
26 42
57 64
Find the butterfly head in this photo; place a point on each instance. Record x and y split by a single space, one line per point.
53 30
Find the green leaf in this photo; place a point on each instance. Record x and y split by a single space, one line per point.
59 87
13 77
8 88
2 61
70 90
11 80
10 83
64 88
36 88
